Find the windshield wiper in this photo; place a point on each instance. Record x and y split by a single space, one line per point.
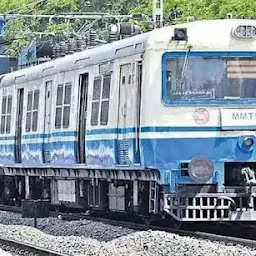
185 67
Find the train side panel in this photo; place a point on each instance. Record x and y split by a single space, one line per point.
7 128
114 142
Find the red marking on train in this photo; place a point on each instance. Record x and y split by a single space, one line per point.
201 116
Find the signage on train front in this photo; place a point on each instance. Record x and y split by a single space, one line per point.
238 119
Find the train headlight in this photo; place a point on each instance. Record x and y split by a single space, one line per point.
200 169
244 31
180 34
248 141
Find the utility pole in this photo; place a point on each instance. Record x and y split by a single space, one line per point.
158 13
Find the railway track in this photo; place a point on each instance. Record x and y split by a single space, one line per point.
234 240
18 248
136 226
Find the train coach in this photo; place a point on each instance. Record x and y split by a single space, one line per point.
159 123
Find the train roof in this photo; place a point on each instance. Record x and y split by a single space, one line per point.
204 34
99 54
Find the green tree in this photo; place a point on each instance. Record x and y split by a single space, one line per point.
202 9
19 32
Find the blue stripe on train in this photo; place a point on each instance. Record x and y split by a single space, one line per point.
160 153
119 131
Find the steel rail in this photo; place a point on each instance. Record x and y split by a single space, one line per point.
21 248
138 226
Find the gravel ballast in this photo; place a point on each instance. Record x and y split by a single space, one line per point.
92 229
137 244
90 238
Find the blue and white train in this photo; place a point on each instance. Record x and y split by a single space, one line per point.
162 122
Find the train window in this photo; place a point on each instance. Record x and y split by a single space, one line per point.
96 101
66 110
96 89
36 100
6 114
105 100
9 106
106 87
63 106
28 121
58 118
66 114
100 100
2 124
67 98
29 101
35 111
95 113
4 105
32 111
223 78
3 115
34 121
104 113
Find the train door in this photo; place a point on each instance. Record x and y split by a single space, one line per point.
83 85
18 132
128 116
47 123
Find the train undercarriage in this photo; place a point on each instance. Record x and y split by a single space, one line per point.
135 191
113 191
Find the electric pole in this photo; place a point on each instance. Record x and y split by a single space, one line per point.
158 13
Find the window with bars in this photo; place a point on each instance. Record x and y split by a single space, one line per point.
6 114
32 111
63 102
100 100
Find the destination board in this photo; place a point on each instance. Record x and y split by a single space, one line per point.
241 69
238 119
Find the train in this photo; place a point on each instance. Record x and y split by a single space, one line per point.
158 124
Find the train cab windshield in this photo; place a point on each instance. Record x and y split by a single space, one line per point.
192 78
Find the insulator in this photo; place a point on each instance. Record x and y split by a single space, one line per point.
71 46
54 53
84 44
128 29
57 47
79 44
125 28
92 38
63 49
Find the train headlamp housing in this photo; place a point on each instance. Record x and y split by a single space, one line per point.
200 169
248 141
180 34
244 31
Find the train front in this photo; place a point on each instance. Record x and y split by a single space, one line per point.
202 137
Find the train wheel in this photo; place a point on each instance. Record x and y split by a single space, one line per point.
177 224
56 208
163 215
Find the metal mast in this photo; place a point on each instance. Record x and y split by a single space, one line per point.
158 13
